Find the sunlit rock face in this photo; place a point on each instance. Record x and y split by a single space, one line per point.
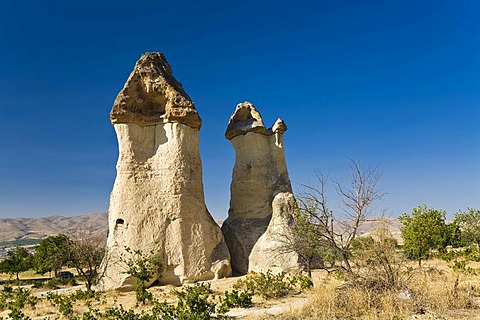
259 176
157 203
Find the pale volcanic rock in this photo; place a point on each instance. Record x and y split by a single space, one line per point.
157 204
259 174
273 250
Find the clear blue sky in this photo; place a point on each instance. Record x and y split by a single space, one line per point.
389 82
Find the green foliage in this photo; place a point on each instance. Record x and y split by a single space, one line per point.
303 282
18 260
117 313
54 283
471 253
322 237
236 299
142 268
141 293
460 266
23 297
17 314
52 253
469 225
460 259
309 238
194 303
84 254
85 295
454 235
19 243
269 285
16 300
423 231
63 302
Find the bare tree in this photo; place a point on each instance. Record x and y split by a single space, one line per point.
332 232
86 253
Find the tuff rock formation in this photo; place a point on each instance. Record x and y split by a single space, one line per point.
261 203
157 203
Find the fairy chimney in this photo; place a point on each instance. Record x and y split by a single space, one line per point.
261 199
157 203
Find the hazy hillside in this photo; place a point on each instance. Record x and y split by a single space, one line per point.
36 228
12 229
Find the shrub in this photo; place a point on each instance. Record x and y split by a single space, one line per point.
194 300
16 298
63 302
194 303
269 285
116 313
85 295
378 262
427 291
236 299
17 314
142 269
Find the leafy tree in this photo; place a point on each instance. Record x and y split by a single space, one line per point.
454 234
469 225
52 253
423 231
17 261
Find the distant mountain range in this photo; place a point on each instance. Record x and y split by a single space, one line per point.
14 229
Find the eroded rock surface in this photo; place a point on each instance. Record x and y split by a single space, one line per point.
274 249
152 95
157 203
259 175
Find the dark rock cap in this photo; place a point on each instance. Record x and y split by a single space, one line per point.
152 95
247 119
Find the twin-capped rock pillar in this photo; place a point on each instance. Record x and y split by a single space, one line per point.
260 217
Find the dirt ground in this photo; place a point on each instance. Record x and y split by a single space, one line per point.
285 308
45 310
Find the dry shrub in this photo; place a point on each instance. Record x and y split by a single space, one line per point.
329 303
430 291
439 291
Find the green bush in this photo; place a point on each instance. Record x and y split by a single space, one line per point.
194 303
55 283
63 302
142 269
16 298
236 299
17 314
269 285
85 295
22 297
303 281
116 313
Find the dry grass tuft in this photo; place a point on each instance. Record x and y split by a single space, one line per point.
430 293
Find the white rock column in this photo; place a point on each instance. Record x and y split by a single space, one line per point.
259 175
157 203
